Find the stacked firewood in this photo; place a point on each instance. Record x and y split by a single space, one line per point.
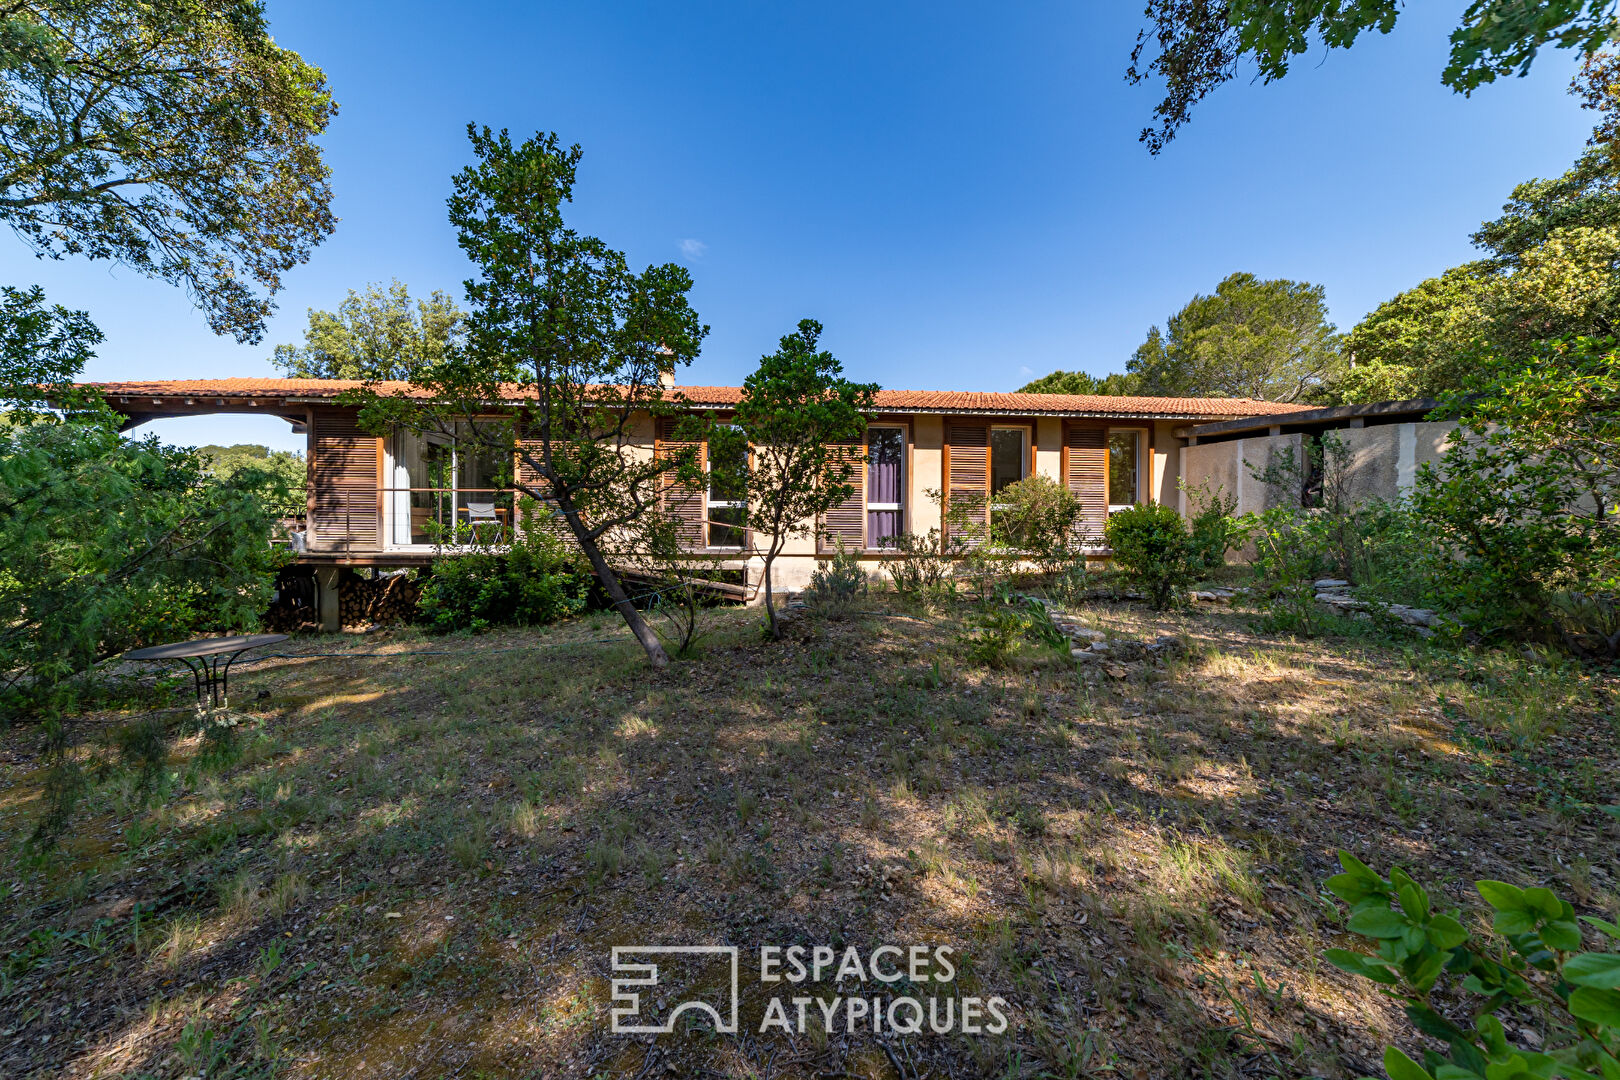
362 601
372 601
294 608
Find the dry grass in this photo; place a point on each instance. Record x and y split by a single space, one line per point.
418 867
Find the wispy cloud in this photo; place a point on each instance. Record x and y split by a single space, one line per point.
1025 370
692 249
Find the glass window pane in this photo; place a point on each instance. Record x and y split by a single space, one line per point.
725 526
1007 457
728 472
1124 452
886 448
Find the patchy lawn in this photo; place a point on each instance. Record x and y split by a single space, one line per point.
418 865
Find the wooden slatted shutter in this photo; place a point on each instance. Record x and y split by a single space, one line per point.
967 493
687 503
846 522
545 516
347 470
1085 451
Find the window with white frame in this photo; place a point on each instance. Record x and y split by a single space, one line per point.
1125 449
885 484
727 493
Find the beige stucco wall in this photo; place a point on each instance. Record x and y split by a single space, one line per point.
1371 462
1049 448
1164 479
927 471
1383 461
1230 467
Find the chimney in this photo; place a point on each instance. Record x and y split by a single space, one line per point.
666 367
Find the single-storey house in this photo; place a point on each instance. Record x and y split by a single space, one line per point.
373 498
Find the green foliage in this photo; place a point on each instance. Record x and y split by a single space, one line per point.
1215 532
796 409
1527 496
535 581
1530 964
1002 632
284 483
922 564
1114 384
560 318
375 335
1413 345
1201 43
42 350
1152 546
1269 340
1314 530
112 543
836 585
1036 517
175 138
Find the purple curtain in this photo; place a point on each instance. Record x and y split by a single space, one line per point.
881 525
887 448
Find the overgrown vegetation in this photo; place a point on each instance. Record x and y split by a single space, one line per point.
535 579
1564 1003
422 861
1153 548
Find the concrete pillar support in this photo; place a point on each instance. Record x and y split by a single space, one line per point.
326 598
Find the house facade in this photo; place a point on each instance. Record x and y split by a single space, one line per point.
381 500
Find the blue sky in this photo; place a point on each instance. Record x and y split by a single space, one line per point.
955 190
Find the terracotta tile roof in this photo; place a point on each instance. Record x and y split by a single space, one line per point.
954 401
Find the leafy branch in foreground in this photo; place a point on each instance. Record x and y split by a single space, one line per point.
1197 45
1531 964
176 138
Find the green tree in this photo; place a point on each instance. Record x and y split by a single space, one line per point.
1198 45
1268 340
378 334
286 467
563 318
176 138
1415 345
1528 498
112 543
795 408
1114 384
42 350
1587 195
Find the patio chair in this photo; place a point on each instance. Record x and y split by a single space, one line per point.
483 513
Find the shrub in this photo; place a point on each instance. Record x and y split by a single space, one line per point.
1036 517
1003 631
1215 531
1526 499
538 580
921 563
1152 546
836 585
1530 964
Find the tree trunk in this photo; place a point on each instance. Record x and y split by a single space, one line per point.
770 606
615 590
